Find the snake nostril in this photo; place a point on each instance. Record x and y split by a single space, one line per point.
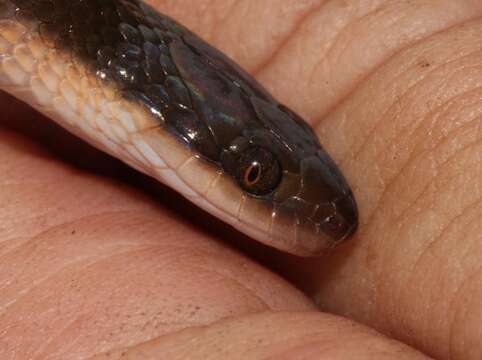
334 224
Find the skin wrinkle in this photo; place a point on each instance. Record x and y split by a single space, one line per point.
206 12
85 268
450 135
247 286
80 219
320 347
67 224
10 240
395 52
474 221
427 117
447 162
335 43
463 308
400 172
264 345
404 95
474 304
271 58
236 283
220 23
74 262
277 45
24 291
442 233
45 345
437 238
53 225
458 152
180 324
298 349
66 266
191 329
414 160
431 182
433 243
76 224
467 168
43 217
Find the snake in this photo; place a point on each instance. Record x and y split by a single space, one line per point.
145 89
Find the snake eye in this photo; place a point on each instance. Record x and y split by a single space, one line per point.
258 171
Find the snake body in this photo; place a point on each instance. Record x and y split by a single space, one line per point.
147 90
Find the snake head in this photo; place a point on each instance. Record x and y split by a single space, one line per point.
283 165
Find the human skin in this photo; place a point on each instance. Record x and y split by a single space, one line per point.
97 260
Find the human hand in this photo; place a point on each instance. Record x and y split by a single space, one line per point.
98 260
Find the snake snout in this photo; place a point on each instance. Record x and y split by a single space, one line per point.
344 221
324 187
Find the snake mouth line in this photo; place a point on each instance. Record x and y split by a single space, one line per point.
146 90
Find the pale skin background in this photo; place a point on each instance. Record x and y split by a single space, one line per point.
98 260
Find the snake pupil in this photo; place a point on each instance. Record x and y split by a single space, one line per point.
253 174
